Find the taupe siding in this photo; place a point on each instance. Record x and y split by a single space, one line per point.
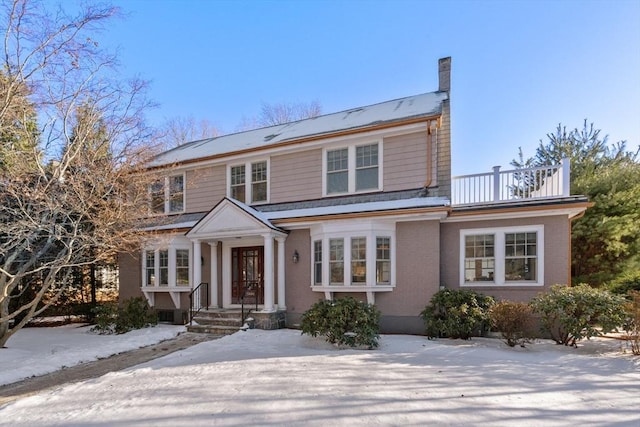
417 270
296 176
205 188
443 153
299 296
405 161
556 255
130 276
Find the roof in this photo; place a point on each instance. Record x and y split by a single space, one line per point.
398 110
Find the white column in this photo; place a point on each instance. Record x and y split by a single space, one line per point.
214 274
197 263
281 294
268 274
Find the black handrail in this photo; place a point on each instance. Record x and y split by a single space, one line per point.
195 300
248 286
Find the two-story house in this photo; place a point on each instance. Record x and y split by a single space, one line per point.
359 202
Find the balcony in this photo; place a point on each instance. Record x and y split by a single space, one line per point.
514 185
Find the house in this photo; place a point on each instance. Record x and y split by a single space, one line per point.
360 203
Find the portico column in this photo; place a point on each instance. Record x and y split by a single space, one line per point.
214 274
281 294
268 274
197 263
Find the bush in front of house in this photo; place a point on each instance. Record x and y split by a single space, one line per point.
632 321
570 314
625 283
513 320
456 313
345 321
135 313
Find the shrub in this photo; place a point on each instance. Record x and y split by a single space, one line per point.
625 283
513 320
343 321
456 313
134 314
632 321
570 314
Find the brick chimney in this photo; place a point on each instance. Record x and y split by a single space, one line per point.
444 74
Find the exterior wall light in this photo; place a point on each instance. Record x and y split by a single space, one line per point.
296 257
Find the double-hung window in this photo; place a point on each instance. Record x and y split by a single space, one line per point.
359 260
506 256
351 169
317 262
167 194
383 260
249 182
336 261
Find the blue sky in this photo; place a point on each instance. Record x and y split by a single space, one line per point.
518 67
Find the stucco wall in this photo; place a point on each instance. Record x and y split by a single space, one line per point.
298 276
130 276
556 255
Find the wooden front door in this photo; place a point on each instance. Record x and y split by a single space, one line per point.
247 270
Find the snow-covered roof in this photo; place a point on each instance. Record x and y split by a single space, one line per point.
424 105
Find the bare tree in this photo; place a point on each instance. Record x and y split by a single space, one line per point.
280 113
180 130
76 202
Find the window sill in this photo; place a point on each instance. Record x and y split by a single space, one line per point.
183 288
500 285
353 288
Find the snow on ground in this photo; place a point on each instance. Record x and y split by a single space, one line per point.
39 351
277 378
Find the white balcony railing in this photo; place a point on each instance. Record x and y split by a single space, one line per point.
512 185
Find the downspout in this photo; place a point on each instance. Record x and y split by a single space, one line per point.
431 129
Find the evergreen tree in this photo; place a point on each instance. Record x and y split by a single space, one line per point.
606 240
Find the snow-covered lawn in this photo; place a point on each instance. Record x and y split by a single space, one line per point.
39 351
275 378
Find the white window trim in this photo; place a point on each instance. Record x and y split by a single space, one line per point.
166 187
351 168
346 231
248 193
499 254
171 248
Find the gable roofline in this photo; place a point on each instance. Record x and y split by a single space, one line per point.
398 112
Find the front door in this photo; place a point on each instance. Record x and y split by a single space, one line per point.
247 270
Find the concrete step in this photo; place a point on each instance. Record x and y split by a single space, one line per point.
220 321
214 329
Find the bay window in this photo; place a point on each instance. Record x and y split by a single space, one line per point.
166 267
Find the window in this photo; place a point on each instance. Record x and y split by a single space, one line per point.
337 171
336 261
176 193
520 256
367 167
479 262
150 268
356 256
259 182
359 260
237 183
167 267
182 267
167 195
252 190
353 169
507 256
383 260
317 262
164 268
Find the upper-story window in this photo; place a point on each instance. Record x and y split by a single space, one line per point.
352 169
255 189
167 194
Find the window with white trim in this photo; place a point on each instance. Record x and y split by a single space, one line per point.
505 256
167 195
352 169
359 255
166 267
255 189
317 262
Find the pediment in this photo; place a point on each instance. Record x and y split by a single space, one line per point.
230 218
